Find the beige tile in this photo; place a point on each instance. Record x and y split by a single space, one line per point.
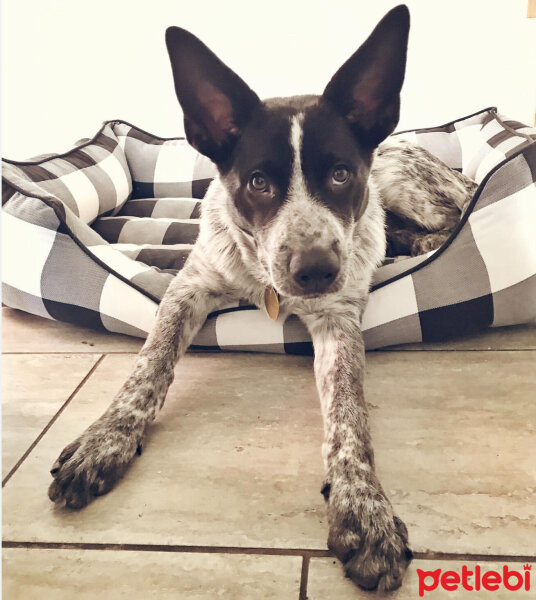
516 337
22 332
326 580
234 459
34 387
88 574
455 440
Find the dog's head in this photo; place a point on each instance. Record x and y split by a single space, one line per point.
296 168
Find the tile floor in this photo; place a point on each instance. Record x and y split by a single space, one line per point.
225 501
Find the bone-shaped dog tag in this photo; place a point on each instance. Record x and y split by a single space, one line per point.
271 301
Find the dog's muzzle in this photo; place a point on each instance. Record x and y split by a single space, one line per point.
315 270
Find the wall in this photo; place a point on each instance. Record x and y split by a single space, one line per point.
67 65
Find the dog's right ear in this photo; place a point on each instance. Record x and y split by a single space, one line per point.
215 101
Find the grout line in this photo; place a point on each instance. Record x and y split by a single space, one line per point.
318 553
52 421
414 350
304 578
76 352
306 553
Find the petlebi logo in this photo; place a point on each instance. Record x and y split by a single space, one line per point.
475 580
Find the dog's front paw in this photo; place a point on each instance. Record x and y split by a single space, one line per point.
91 465
370 541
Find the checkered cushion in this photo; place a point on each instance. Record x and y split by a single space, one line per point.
161 167
476 144
50 268
92 179
148 230
113 274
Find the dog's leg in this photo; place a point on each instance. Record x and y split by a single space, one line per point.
424 198
419 188
405 238
93 463
364 533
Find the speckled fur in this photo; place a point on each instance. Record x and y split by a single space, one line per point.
228 264
424 199
240 251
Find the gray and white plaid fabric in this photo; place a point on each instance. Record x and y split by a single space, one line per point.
147 230
49 271
92 179
162 167
112 275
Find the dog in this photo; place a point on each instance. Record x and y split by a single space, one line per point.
295 223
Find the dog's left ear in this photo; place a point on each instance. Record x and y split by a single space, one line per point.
215 101
366 89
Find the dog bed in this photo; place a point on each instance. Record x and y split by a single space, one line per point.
94 236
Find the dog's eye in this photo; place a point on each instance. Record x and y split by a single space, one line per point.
258 182
340 175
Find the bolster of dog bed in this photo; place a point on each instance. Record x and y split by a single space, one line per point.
95 235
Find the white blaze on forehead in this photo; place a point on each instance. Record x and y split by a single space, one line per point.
297 188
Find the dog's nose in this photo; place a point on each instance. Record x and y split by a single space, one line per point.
315 270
